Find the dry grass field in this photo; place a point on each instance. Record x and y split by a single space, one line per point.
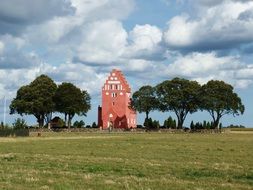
127 161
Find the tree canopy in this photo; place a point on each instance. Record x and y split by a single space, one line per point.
36 99
180 96
42 97
144 100
219 99
70 100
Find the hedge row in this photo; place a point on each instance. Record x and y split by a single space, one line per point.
14 132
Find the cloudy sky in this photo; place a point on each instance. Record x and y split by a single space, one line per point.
80 41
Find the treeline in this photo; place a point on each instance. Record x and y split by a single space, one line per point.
42 97
184 97
171 123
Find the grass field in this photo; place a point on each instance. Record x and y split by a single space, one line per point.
127 161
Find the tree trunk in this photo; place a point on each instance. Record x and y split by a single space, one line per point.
41 121
69 121
147 114
48 118
65 119
180 120
70 117
180 123
216 124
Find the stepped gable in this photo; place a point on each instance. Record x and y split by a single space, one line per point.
123 80
120 77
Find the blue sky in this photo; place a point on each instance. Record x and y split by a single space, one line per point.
81 41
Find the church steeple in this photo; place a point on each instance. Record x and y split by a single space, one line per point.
115 102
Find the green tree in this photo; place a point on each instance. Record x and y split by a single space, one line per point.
165 123
156 124
208 125
79 124
144 100
70 100
169 123
192 125
180 96
36 99
204 124
148 123
219 99
19 124
94 125
174 124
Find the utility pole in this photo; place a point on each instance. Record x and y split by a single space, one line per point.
4 110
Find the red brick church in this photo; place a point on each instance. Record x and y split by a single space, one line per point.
115 111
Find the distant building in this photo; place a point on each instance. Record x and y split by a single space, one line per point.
115 111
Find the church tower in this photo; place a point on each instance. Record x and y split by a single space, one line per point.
115 110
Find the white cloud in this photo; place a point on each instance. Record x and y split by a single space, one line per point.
85 77
145 36
12 79
203 67
107 42
144 42
59 28
217 27
14 57
102 42
94 34
203 64
180 32
245 73
137 65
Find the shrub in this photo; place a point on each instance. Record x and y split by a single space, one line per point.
236 126
203 125
19 124
156 124
150 124
94 125
170 123
57 122
79 124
